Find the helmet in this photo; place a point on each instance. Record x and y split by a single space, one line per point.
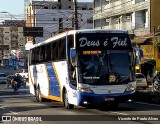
17 74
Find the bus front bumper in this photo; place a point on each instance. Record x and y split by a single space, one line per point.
98 99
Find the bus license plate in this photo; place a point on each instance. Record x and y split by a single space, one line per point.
109 99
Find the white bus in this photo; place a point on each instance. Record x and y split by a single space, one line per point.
83 67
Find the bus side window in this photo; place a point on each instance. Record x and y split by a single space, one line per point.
48 52
33 56
42 54
37 55
62 49
54 51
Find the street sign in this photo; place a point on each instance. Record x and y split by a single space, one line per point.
33 31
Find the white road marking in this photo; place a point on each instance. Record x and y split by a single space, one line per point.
119 113
13 112
147 104
2 107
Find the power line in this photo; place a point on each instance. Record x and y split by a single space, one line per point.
59 11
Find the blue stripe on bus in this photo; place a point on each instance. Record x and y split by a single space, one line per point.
54 89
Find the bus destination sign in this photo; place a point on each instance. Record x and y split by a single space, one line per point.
103 41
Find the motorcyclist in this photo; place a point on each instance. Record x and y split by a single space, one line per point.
156 84
17 79
157 76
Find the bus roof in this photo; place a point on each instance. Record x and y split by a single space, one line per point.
63 34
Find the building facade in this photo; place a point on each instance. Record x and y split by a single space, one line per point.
55 16
11 38
139 17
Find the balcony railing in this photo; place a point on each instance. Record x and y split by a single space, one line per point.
125 8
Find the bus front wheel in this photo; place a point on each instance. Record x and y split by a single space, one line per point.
65 101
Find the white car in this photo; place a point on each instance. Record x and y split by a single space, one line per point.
3 78
141 80
23 73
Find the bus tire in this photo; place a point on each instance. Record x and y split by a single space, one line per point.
65 101
38 95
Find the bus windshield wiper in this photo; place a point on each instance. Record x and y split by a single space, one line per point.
100 65
113 68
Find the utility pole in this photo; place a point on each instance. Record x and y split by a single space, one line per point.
154 30
2 49
75 15
33 7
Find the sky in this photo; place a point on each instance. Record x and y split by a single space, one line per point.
16 7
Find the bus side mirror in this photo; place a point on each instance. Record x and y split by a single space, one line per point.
72 53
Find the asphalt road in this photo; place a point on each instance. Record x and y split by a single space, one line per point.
22 104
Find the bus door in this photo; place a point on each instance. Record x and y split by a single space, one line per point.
72 78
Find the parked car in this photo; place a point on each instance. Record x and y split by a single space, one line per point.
141 81
23 73
9 80
3 78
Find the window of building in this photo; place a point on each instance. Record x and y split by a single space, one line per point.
106 2
46 7
97 3
53 7
97 23
69 7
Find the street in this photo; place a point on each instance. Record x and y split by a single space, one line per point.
23 104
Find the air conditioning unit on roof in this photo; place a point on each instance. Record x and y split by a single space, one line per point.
107 20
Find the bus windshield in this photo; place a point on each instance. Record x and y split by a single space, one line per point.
105 67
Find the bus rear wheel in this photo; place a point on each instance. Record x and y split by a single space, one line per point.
38 95
65 101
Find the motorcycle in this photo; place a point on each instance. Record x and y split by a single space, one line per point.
156 85
15 86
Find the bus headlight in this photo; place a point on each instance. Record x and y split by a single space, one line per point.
86 90
131 86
